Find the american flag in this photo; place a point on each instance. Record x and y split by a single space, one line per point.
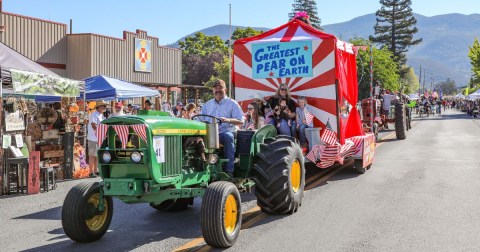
122 132
308 116
140 129
329 137
268 117
101 133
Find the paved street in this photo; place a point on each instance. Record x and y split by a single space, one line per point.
421 194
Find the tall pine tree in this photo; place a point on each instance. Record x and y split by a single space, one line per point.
395 28
309 6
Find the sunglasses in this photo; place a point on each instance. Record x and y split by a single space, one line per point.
283 89
250 108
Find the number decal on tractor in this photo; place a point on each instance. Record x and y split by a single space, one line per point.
159 146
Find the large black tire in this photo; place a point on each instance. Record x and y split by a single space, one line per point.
81 220
400 122
359 166
172 205
279 175
221 215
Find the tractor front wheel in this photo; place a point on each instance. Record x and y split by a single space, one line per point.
173 205
81 219
279 175
221 214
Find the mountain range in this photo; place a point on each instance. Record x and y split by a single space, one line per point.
443 52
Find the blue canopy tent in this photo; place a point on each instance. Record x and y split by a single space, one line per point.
105 88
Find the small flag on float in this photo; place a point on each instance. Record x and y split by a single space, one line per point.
308 116
329 136
268 117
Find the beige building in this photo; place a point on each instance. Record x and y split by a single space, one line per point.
136 57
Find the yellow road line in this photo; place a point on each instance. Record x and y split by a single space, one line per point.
325 178
189 245
197 241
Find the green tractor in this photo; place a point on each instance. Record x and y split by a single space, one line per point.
144 159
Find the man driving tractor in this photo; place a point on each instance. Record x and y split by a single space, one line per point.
231 115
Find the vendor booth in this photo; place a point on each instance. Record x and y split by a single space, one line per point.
37 140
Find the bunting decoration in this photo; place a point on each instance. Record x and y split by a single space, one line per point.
122 132
101 133
140 130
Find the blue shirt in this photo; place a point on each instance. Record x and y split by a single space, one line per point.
227 108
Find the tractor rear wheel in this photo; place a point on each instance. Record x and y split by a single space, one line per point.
400 122
81 220
172 205
221 215
279 175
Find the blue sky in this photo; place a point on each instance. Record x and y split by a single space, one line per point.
173 19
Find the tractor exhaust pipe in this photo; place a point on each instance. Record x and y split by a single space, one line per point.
212 141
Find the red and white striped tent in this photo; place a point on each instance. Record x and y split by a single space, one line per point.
332 81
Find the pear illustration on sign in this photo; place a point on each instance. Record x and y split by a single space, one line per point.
159 147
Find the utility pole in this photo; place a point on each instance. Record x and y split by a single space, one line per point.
230 51
420 82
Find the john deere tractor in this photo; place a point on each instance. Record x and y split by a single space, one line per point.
150 158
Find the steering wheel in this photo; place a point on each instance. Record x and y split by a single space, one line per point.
218 121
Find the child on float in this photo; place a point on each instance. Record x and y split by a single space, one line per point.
302 124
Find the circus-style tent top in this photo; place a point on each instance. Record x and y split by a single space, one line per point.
312 63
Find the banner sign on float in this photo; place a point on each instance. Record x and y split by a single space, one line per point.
282 59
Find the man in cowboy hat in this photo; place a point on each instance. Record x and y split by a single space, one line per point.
95 118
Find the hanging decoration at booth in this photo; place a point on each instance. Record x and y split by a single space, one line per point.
28 83
143 55
14 121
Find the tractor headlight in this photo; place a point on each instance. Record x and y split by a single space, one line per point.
212 159
136 157
106 157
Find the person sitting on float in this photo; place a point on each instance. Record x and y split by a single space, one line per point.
284 128
254 119
302 124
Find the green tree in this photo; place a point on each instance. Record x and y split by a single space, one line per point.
385 69
240 33
409 82
309 6
200 53
448 87
474 55
203 45
395 28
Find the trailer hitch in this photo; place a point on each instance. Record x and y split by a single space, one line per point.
146 188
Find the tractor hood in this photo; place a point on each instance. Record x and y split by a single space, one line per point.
161 125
